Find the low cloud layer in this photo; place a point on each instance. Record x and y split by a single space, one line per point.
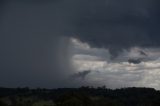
118 72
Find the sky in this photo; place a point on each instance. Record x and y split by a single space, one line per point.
71 43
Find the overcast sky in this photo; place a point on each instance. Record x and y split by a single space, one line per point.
44 43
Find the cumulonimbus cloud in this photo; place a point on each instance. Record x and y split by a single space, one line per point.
32 34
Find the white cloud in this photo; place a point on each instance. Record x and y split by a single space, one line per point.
115 74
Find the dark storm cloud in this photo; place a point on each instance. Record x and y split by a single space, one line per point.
114 24
119 24
33 49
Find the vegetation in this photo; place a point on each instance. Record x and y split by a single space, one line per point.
84 96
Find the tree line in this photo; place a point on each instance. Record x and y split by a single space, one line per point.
83 96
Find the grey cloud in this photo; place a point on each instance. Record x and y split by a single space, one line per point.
143 53
82 74
135 61
119 24
114 24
